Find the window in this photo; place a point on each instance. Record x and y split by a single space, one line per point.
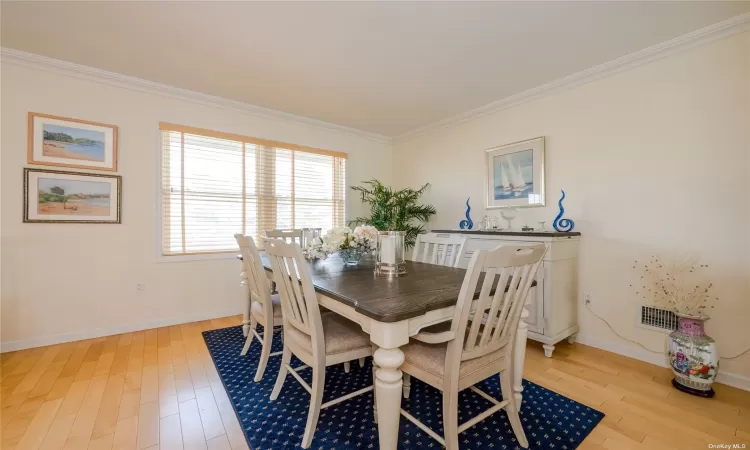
216 184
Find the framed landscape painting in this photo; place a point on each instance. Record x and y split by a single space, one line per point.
64 142
70 197
515 174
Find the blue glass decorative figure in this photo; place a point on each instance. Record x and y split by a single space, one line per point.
467 224
561 224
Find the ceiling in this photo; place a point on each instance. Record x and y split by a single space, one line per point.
382 67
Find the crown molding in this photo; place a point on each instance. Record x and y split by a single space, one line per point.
711 33
39 62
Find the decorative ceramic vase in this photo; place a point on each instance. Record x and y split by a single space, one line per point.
693 357
350 257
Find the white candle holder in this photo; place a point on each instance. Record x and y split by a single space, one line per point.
390 260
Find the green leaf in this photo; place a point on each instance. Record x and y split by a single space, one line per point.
395 210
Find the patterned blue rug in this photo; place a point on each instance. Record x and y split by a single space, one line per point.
550 420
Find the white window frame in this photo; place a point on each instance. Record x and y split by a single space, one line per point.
159 212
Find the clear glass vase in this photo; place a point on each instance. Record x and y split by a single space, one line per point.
350 257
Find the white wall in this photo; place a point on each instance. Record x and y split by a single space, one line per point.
68 281
654 161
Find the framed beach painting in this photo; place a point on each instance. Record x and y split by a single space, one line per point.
64 142
515 174
70 197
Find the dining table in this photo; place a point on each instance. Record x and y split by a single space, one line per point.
390 311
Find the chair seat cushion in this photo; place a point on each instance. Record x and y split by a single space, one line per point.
257 307
431 358
341 335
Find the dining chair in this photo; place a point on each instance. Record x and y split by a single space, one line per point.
317 340
471 351
291 235
436 249
264 308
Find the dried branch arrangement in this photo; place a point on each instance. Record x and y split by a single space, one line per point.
676 286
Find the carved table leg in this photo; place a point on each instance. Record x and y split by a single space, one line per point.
388 385
519 355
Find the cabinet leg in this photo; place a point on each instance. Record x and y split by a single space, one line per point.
548 349
572 339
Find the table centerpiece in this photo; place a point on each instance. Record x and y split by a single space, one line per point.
350 245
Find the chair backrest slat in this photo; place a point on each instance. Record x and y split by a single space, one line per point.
257 284
506 275
499 301
436 249
290 236
299 302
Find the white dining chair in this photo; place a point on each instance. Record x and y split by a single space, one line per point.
264 308
291 235
317 340
471 351
433 248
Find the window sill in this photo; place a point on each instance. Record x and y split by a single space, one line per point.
197 257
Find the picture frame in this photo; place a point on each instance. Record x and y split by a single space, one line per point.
514 175
53 196
66 142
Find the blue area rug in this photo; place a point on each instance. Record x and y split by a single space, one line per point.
550 420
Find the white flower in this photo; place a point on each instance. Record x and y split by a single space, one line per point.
364 239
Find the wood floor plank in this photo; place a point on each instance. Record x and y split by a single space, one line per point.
219 443
129 404
107 416
80 433
148 425
39 426
168 404
183 383
103 443
150 384
193 437
209 413
228 417
16 427
170 433
133 372
126 434
66 415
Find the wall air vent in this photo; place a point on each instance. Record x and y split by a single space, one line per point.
656 319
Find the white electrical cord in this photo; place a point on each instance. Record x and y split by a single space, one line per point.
641 345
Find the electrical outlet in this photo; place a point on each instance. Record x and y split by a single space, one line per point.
140 288
586 298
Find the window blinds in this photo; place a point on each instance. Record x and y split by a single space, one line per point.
217 184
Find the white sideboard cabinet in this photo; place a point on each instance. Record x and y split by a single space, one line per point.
552 304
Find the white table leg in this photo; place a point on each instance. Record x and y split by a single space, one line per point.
388 385
519 354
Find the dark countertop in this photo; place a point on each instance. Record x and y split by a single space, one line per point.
513 233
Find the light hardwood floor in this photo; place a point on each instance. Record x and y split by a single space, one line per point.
158 389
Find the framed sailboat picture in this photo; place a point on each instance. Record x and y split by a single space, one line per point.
515 174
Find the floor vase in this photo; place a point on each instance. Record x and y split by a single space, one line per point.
693 357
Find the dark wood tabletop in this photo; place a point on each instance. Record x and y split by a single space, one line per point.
425 287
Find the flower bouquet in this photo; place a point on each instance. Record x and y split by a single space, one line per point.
349 244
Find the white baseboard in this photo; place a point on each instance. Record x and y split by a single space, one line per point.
730 379
41 341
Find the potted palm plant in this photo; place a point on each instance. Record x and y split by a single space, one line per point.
392 210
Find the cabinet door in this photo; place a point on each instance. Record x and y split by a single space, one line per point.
535 321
